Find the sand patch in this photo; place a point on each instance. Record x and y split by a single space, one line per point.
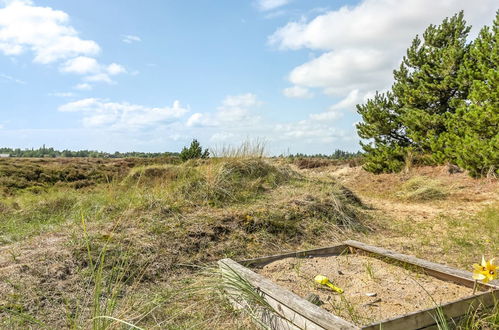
374 290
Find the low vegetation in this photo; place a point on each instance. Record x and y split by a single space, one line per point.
97 253
137 247
421 188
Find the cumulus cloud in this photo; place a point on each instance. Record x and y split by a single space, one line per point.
83 87
130 39
44 31
81 65
297 92
265 5
114 69
235 116
235 112
362 44
47 34
122 115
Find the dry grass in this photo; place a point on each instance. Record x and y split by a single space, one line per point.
422 188
138 257
132 258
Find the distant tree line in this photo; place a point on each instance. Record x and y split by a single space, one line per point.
337 154
52 153
443 106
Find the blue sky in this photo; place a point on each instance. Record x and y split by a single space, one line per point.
151 75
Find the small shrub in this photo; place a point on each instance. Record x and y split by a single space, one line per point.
194 151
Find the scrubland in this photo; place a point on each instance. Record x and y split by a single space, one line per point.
108 244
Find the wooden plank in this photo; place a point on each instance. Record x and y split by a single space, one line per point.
321 252
436 270
299 311
426 318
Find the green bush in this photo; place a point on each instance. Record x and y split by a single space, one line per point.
194 151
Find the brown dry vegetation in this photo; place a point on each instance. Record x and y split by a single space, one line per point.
138 247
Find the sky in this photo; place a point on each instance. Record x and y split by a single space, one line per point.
123 75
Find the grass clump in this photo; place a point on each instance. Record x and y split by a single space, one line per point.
421 188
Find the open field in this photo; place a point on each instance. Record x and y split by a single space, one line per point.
136 243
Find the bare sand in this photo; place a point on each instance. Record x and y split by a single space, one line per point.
374 290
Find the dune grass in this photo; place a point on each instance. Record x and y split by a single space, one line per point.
129 263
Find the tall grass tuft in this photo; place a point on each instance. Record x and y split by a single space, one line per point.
248 149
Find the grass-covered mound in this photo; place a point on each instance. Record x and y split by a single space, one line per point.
130 249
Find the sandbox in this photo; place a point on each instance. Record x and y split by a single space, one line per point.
374 289
382 289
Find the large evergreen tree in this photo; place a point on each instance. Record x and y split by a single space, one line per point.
426 85
426 90
473 131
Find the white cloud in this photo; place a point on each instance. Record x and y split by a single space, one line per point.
242 100
114 69
265 5
130 39
42 30
95 72
201 120
100 77
47 34
327 116
340 71
235 112
101 113
353 98
83 87
81 65
298 92
362 44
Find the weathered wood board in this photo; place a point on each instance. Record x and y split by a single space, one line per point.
289 311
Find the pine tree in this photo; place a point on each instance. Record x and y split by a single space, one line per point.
426 85
194 151
426 91
381 123
473 131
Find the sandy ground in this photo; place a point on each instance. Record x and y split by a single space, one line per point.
373 289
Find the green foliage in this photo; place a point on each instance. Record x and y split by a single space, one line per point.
194 151
473 131
444 103
384 158
426 86
382 123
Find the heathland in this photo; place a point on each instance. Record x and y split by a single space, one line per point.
112 243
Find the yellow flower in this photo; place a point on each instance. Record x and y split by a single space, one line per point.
486 271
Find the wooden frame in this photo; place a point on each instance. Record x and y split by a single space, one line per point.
286 310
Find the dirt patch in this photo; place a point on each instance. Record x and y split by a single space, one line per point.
374 290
